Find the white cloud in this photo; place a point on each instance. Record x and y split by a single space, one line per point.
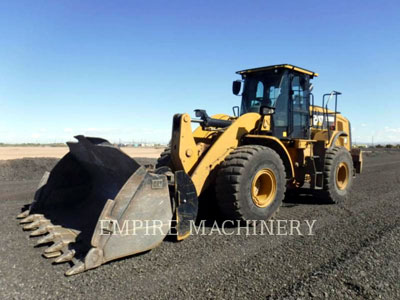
92 129
100 130
392 130
388 135
383 135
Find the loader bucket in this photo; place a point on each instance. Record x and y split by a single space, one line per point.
98 204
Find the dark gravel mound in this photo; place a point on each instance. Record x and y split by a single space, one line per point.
25 168
34 168
146 161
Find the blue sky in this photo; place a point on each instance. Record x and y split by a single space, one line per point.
121 69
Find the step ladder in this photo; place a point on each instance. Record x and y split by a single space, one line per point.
318 162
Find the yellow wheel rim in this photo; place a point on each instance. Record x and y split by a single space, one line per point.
263 188
342 176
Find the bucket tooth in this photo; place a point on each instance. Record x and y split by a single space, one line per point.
33 225
40 231
55 247
30 219
66 240
43 229
65 235
52 254
78 268
23 215
53 228
67 256
46 239
41 223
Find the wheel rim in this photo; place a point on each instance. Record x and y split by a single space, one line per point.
263 188
342 176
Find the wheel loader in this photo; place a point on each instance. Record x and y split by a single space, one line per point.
277 140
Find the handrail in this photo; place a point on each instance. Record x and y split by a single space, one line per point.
325 110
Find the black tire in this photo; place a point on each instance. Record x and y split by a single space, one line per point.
165 158
235 178
336 189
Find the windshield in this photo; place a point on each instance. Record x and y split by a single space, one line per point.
262 89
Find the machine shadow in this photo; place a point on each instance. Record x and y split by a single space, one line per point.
302 196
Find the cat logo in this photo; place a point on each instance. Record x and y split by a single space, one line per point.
320 119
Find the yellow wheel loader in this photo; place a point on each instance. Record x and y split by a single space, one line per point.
98 204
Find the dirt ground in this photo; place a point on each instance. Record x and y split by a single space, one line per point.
353 254
58 152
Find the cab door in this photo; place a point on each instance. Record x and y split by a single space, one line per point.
299 101
281 116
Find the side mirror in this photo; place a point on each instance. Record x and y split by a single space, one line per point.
235 110
236 87
311 87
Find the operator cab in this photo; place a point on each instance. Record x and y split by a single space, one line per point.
283 91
